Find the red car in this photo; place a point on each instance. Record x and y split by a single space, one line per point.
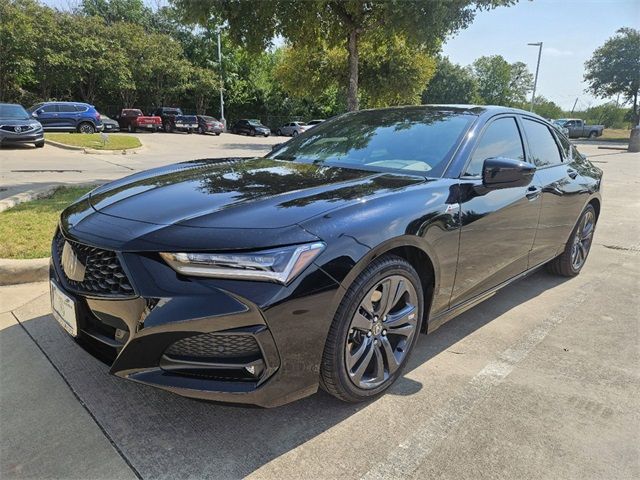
131 119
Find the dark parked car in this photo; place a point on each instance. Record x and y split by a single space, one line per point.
17 126
208 124
67 117
109 124
250 127
173 119
132 120
258 280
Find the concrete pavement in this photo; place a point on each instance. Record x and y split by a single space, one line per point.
540 381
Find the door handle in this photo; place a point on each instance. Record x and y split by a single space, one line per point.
533 192
572 173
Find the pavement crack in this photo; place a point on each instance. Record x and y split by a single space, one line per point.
84 405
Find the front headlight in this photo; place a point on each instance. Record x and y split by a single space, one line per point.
279 265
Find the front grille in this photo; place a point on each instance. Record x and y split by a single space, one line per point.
16 128
215 346
104 275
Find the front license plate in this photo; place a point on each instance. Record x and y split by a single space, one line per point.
64 310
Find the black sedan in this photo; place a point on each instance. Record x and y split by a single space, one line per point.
259 280
110 125
250 127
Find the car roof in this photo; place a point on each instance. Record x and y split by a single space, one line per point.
65 103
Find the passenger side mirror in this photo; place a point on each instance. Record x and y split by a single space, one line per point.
275 146
500 172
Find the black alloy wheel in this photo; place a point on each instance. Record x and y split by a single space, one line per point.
86 127
576 251
374 331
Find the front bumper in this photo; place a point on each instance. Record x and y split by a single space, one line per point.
136 333
16 138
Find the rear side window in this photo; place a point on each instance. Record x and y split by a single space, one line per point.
500 139
542 146
567 148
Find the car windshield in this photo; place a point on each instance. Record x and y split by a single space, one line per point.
300 123
13 112
172 111
560 122
208 119
417 140
255 123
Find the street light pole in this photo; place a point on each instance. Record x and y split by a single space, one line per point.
535 82
224 122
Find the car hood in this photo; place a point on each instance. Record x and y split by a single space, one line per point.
239 193
13 122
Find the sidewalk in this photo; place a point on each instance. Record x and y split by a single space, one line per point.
69 444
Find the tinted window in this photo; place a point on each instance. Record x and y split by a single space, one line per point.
500 139
50 108
67 108
13 112
543 147
415 140
566 146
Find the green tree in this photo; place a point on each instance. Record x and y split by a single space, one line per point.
450 84
546 108
391 72
501 83
344 24
614 68
112 11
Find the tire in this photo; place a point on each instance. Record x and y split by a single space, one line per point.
218 134
295 133
579 244
252 133
39 144
168 128
201 131
86 127
364 339
279 132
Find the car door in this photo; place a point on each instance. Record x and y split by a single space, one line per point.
68 116
287 129
498 227
48 116
563 195
571 126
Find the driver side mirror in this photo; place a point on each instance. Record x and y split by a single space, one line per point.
499 172
275 146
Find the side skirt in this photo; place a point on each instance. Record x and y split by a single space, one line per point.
437 321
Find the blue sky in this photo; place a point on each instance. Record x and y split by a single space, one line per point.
570 29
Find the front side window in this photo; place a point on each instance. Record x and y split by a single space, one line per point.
500 139
415 140
542 146
50 108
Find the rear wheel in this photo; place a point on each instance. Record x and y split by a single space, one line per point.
86 127
571 261
279 132
168 128
295 133
374 331
40 144
593 134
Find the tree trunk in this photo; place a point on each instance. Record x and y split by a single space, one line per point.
352 93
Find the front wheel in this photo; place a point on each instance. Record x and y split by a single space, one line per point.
374 331
86 127
40 144
168 128
575 253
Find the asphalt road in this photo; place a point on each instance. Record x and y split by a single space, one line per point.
540 381
25 168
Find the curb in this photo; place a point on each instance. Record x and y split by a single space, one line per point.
18 198
13 272
93 151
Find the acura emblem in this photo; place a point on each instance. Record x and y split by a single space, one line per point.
73 268
18 129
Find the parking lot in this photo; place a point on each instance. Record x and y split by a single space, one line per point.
540 381
25 168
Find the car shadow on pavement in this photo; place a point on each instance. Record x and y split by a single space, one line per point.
164 435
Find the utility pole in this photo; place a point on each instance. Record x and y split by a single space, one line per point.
224 122
574 105
535 82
